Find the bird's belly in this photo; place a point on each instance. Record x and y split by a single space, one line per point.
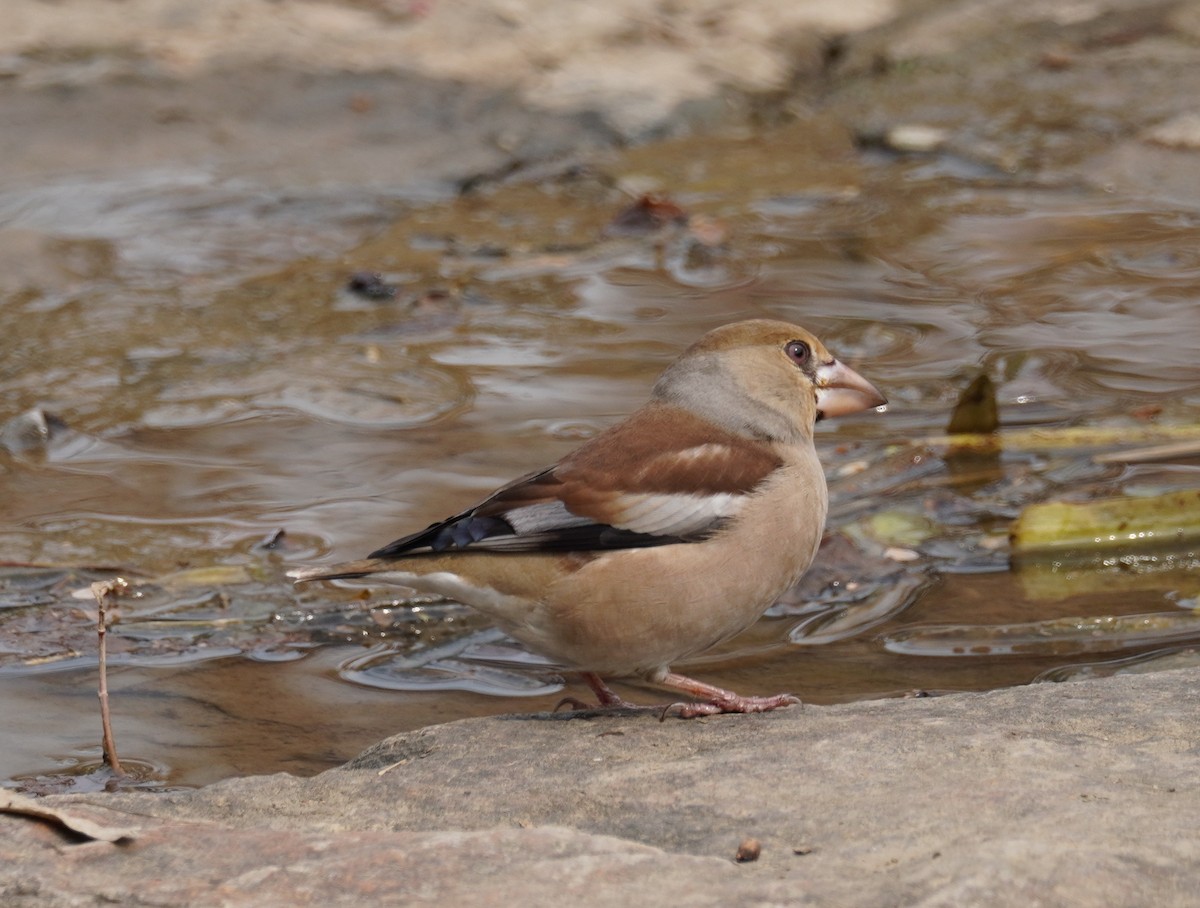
661 605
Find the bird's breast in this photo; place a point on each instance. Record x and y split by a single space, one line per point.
635 611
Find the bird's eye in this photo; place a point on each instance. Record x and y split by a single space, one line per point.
799 352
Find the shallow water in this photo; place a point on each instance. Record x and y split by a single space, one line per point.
219 385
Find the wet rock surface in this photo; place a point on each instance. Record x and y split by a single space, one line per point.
1079 794
423 95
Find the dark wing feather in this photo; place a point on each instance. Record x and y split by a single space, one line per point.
545 526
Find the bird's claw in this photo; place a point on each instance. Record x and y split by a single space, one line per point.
573 702
730 704
619 708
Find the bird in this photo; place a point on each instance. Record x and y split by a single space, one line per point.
661 536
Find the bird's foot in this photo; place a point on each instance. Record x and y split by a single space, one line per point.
734 704
715 700
572 703
710 700
608 699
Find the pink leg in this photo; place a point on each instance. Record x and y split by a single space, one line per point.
713 699
605 694
718 700
607 697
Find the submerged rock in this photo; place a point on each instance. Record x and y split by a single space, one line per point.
31 432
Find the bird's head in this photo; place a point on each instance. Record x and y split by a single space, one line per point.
765 379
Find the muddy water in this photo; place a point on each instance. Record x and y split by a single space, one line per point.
220 385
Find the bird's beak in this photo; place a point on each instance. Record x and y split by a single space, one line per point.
841 391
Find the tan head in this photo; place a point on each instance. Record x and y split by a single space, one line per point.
764 379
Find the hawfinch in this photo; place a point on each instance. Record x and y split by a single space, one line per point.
664 535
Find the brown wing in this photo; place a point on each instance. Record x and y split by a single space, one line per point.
661 477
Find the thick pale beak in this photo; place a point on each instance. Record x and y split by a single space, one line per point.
842 391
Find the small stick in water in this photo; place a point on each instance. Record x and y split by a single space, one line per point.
101 591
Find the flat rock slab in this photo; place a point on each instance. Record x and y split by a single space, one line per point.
1077 794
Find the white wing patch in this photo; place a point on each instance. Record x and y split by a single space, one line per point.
654 513
674 514
541 518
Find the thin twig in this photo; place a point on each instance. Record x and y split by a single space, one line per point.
1180 450
101 591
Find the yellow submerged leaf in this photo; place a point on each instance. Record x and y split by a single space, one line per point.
1051 438
212 575
1057 526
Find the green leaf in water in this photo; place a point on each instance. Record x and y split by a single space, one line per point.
1056 526
1110 572
1061 438
900 528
